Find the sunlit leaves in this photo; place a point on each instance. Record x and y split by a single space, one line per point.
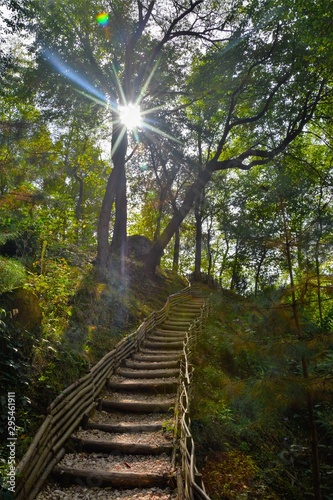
12 274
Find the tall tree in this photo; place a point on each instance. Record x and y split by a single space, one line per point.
131 57
270 60
246 61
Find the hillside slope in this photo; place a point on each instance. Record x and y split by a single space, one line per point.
249 408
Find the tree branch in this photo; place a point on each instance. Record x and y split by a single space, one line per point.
263 156
166 38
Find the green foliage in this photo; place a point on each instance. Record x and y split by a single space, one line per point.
13 365
55 288
57 367
230 475
12 274
15 372
250 396
168 426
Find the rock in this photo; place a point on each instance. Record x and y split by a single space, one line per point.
138 247
23 316
23 308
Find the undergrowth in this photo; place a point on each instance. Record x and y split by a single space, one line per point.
249 412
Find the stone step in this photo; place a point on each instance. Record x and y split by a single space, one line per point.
170 333
184 313
147 373
123 427
173 327
162 345
188 306
156 386
137 406
177 320
166 339
155 357
117 448
174 355
104 479
152 365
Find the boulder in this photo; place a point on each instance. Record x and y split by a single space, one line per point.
138 247
23 307
23 318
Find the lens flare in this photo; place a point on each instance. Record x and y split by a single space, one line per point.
102 18
130 116
73 75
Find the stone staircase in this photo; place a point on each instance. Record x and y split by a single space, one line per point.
127 448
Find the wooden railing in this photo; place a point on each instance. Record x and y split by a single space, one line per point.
67 410
191 486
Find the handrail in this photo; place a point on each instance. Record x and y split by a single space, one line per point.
69 407
192 484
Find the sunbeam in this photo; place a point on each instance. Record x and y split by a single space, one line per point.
129 113
118 141
69 73
162 133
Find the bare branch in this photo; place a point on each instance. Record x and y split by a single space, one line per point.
143 20
166 38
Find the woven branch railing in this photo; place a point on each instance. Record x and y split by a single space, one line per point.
192 485
67 410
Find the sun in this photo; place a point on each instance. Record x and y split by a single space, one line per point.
130 116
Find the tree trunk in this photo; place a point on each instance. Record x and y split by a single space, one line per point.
176 249
317 254
320 308
198 236
257 274
224 258
194 190
118 245
103 248
115 192
235 270
159 214
119 149
79 207
209 249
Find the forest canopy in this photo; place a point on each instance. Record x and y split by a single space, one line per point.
215 87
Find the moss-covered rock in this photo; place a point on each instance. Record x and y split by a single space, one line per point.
23 316
23 308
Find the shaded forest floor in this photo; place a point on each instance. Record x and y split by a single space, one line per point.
249 409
